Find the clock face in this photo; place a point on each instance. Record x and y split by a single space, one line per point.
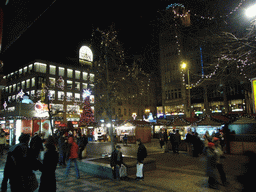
85 53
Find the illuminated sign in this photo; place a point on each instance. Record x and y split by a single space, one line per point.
85 53
254 94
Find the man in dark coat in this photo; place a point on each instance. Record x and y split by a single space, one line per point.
62 144
161 138
36 145
80 143
141 155
116 161
176 142
48 178
19 167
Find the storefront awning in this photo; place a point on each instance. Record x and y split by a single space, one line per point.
244 120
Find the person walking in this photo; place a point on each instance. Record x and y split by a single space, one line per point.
19 167
176 142
141 155
72 156
36 145
2 141
116 161
219 163
189 139
48 177
211 165
161 138
80 143
125 139
62 144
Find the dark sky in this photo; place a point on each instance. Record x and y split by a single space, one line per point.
65 25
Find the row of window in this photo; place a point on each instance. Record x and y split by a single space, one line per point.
52 96
173 94
61 71
30 83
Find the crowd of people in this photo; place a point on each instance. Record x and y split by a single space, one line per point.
24 158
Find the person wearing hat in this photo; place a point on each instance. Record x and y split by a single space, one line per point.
116 161
219 164
211 165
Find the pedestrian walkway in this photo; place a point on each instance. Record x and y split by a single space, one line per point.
174 173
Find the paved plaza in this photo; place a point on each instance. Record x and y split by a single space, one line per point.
174 172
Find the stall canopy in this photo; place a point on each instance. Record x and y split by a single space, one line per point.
180 122
244 125
221 118
207 121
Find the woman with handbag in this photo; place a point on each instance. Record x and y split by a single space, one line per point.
48 178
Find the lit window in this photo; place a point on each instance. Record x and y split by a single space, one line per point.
69 96
77 86
51 95
69 84
84 85
28 83
61 95
40 67
77 97
92 77
61 71
70 73
85 76
52 70
33 82
52 82
91 98
77 74
25 70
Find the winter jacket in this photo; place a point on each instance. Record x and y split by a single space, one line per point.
219 153
48 178
142 153
18 167
114 158
211 162
73 152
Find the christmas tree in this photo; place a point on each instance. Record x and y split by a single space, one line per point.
87 117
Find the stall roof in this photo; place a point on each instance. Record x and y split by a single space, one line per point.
221 118
180 122
207 121
244 120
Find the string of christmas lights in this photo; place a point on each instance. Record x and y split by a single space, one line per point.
182 15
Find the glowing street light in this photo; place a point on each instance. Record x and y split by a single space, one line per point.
183 65
251 11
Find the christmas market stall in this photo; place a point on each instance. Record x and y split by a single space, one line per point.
242 135
179 124
136 130
143 131
127 129
206 124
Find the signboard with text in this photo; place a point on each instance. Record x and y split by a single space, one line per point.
254 94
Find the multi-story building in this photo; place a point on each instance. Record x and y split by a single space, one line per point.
228 93
64 83
131 93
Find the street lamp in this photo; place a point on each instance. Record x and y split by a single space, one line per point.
251 11
184 66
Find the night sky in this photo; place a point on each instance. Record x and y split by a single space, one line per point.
65 25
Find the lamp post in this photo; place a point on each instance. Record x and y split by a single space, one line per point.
188 98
